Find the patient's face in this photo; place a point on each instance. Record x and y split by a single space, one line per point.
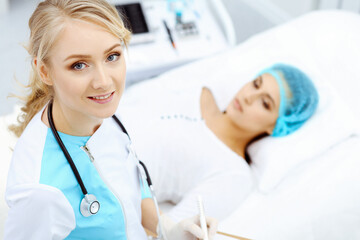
255 108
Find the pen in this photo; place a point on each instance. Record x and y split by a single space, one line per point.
202 218
232 236
169 34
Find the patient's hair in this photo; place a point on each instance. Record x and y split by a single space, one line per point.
46 24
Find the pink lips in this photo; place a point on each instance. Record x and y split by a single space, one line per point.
237 105
104 100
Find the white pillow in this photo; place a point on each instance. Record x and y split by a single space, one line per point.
275 158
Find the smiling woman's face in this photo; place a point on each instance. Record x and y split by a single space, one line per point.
87 70
255 108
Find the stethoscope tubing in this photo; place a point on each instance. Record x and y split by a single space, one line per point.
64 150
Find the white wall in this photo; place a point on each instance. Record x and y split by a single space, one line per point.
298 7
4 5
295 7
253 16
350 5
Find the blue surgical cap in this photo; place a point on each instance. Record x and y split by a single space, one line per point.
298 98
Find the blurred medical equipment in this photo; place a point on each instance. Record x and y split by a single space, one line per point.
89 205
186 29
177 7
135 19
197 36
169 35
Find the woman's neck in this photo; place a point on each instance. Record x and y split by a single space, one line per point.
221 125
229 134
71 123
235 137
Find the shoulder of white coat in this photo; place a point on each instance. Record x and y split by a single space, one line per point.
27 197
25 164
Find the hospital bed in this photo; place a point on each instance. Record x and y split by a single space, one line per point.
308 183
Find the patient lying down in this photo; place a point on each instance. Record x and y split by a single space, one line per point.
206 155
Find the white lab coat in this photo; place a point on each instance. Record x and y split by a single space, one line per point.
41 210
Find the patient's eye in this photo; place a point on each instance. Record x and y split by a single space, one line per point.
266 104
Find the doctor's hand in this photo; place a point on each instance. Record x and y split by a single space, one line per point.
187 229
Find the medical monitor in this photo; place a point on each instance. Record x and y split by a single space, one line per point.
135 20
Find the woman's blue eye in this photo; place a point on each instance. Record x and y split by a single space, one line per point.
113 57
79 66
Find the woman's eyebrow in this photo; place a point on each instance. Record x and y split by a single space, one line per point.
111 48
88 56
77 56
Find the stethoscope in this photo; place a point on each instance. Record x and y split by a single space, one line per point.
89 204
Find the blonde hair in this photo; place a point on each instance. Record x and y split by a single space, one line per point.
46 23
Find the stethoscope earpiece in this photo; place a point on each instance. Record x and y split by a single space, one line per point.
89 205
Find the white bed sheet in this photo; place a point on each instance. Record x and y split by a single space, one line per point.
320 200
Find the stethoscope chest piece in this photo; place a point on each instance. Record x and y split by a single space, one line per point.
89 205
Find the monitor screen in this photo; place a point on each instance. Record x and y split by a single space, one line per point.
133 17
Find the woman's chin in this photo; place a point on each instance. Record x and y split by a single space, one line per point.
106 114
103 113
106 110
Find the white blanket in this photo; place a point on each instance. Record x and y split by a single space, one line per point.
184 158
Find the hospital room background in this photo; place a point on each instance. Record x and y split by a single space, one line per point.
307 185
